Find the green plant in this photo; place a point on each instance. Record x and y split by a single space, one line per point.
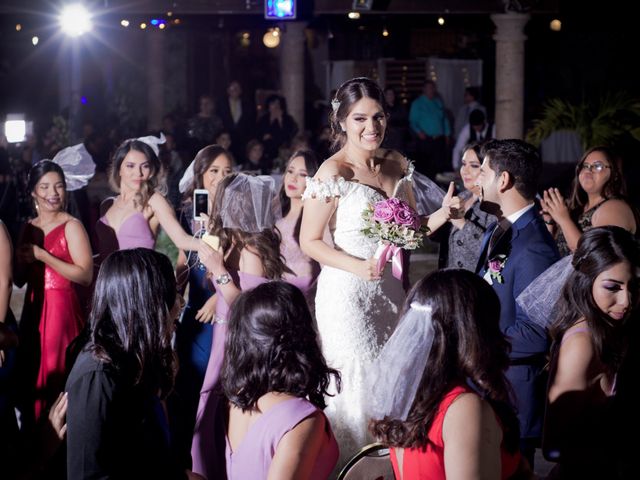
597 122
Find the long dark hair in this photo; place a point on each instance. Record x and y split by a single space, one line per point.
468 346
203 160
615 187
157 175
265 243
130 324
310 164
39 170
272 346
598 250
349 93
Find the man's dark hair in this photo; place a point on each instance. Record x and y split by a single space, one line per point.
474 92
518 158
476 117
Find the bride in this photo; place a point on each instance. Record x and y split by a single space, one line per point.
356 305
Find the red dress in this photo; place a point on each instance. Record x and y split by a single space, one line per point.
419 464
51 306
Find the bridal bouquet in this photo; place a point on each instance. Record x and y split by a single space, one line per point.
393 221
397 227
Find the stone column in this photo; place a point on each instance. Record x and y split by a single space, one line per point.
155 78
509 39
292 50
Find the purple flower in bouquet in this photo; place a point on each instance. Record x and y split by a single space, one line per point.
405 215
383 212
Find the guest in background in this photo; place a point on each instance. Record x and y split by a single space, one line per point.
460 239
205 125
53 254
397 123
597 199
255 160
429 123
116 422
275 380
471 101
590 341
444 407
276 127
304 270
238 115
477 130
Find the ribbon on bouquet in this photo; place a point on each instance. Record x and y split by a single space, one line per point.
386 252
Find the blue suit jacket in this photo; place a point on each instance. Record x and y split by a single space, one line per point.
529 251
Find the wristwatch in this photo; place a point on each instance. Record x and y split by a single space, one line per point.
223 279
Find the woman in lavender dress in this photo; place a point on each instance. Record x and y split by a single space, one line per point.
274 379
304 270
243 219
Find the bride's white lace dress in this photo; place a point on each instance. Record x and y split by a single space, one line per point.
354 316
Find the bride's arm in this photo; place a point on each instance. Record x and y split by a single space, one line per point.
315 218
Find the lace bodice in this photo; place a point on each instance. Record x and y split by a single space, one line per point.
346 223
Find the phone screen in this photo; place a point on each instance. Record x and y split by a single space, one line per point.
201 204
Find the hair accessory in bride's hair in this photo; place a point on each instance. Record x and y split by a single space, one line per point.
153 142
77 164
405 354
335 104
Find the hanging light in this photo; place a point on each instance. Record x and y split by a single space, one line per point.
124 22
385 32
18 27
555 25
271 39
353 15
440 21
35 40
75 20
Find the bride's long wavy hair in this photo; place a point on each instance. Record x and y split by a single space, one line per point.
468 346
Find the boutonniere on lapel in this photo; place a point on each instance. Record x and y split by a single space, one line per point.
495 267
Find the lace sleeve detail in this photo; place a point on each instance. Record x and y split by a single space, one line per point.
408 175
326 189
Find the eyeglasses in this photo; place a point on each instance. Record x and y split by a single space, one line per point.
593 167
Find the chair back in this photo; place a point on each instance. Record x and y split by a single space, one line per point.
370 463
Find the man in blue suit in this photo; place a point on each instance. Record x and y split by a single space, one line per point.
513 254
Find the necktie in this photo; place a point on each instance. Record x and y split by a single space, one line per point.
497 234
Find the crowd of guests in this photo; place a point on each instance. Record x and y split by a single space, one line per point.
294 348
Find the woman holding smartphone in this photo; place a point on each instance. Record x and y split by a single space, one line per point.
194 333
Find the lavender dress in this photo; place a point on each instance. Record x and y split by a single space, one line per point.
305 269
207 447
252 457
134 232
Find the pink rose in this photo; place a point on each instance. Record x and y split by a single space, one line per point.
495 265
405 216
382 212
395 202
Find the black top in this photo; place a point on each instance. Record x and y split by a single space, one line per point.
114 430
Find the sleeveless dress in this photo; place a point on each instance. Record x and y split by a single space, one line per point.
204 445
305 269
252 457
193 347
51 318
584 224
428 463
355 317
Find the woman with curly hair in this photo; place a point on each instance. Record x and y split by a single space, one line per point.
274 379
245 210
444 404
597 199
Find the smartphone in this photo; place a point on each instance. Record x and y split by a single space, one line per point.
200 203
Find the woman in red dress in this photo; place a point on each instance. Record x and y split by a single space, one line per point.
53 253
447 411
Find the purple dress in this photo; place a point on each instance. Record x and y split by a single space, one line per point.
208 442
252 457
134 232
305 269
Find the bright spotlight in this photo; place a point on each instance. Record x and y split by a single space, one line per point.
124 23
16 128
35 40
75 20
440 20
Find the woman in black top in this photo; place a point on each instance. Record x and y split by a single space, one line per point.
116 422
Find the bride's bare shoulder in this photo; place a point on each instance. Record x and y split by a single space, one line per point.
331 168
